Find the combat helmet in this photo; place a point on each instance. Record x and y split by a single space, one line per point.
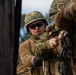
34 16
56 5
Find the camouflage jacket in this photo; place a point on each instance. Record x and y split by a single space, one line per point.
26 53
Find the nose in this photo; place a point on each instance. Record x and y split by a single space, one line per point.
37 27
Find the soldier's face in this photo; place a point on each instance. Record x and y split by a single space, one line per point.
37 28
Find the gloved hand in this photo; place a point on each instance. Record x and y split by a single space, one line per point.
37 61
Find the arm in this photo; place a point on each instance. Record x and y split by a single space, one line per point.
26 54
42 48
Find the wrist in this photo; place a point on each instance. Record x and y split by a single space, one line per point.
36 61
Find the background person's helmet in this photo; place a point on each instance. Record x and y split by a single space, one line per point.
56 5
34 16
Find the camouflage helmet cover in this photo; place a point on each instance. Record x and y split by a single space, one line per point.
34 16
56 4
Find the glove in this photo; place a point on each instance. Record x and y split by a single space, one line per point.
37 61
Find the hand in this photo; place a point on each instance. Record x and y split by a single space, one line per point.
37 61
62 34
53 42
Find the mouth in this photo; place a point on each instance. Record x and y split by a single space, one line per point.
37 32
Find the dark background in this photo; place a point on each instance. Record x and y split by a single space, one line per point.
10 14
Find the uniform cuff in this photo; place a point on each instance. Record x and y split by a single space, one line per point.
32 60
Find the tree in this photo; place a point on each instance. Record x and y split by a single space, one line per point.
22 20
23 33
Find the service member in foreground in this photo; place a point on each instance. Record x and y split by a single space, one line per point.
30 64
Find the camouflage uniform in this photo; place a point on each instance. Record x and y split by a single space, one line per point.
26 54
61 63
25 65
43 50
66 20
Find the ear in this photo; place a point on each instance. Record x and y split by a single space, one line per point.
60 6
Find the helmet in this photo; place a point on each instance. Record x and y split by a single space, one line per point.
34 16
56 5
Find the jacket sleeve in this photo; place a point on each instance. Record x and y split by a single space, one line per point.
43 49
25 54
65 17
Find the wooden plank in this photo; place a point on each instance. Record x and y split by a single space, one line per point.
7 37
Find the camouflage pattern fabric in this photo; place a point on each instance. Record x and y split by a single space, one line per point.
34 16
21 69
56 4
63 21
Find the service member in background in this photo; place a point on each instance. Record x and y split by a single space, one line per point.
62 59
65 19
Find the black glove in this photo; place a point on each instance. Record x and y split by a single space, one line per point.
37 61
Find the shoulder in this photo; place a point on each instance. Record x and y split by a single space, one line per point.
50 28
25 43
